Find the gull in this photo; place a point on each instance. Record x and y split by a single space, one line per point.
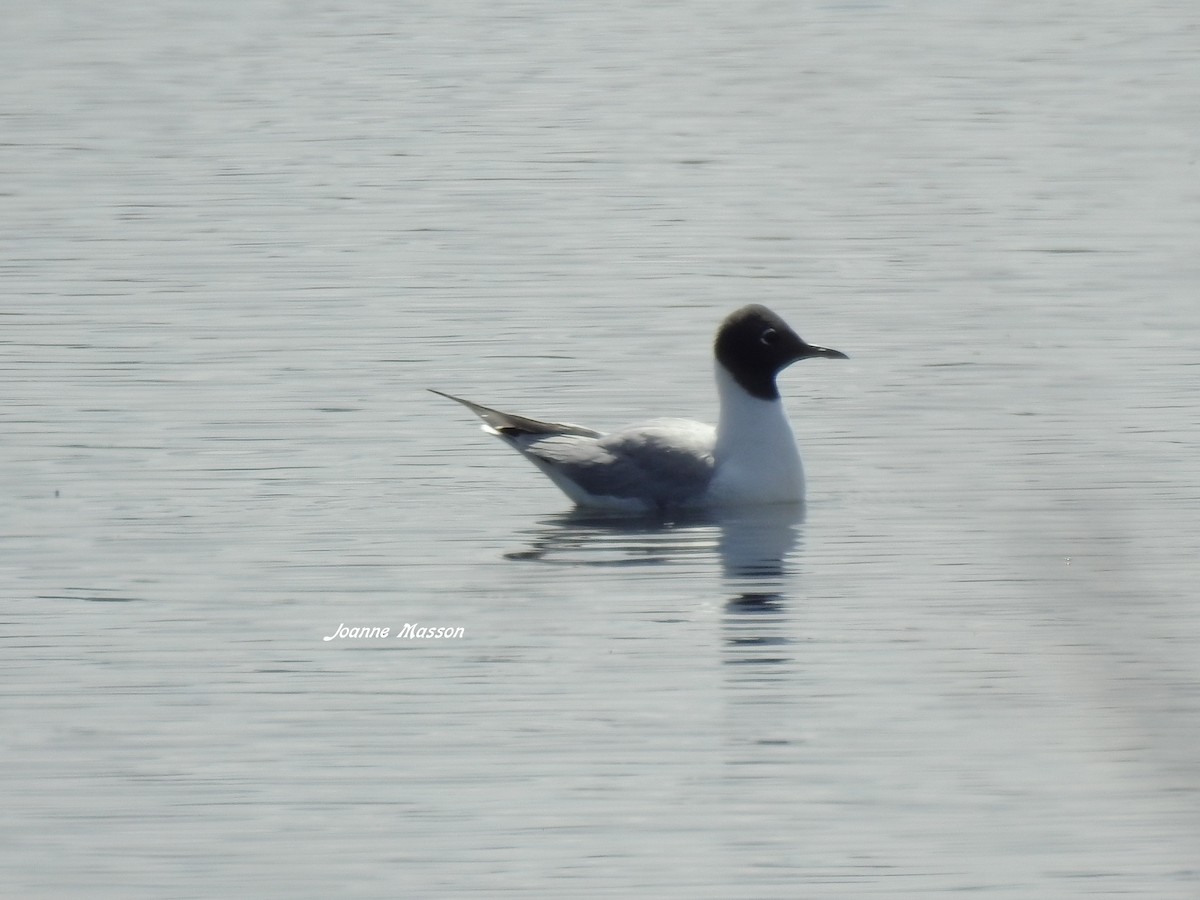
749 458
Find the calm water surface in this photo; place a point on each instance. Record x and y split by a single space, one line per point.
239 240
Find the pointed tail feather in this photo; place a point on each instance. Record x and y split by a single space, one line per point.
510 425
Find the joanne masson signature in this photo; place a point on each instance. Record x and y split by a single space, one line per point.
411 630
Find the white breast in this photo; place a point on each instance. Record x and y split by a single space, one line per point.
756 457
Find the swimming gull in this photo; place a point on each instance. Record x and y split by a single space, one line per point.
750 457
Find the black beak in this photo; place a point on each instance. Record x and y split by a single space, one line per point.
809 350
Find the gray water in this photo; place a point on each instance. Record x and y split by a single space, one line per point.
238 241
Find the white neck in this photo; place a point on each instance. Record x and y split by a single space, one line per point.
756 457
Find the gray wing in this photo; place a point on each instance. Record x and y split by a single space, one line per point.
664 463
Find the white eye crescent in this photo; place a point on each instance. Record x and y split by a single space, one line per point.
769 337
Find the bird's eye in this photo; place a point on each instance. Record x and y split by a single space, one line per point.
769 337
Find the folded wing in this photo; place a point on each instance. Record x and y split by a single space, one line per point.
667 462
662 463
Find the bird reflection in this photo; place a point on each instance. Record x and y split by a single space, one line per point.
590 538
757 543
756 604
756 629
752 544
756 548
